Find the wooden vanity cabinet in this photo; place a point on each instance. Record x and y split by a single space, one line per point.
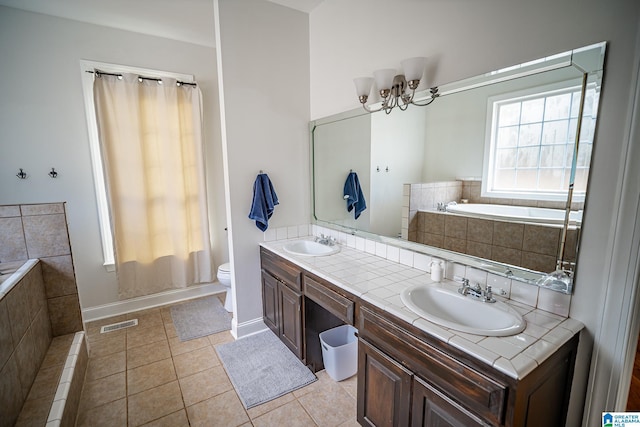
406 377
282 302
384 388
297 306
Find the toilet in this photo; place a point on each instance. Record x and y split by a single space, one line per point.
224 277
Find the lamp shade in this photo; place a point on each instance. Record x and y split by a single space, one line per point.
363 85
413 68
384 78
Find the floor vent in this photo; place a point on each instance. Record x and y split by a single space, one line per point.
118 326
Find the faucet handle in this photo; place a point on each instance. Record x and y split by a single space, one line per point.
461 279
464 289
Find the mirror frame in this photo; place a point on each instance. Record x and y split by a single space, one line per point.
588 70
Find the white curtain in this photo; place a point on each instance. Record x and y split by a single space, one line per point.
151 142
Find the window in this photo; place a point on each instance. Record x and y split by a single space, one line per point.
531 142
87 68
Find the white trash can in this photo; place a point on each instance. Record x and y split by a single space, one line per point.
340 352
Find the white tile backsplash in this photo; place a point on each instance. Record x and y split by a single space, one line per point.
370 246
381 250
476 276
303 230
421 262
555 303
393 253
406 257
281 233
499 284
524 293
453 270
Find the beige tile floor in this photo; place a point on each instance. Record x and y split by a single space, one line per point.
145 375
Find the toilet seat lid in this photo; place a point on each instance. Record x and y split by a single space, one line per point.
226 267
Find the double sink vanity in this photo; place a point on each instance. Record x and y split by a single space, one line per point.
450 364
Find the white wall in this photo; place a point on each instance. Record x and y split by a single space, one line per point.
398 145
43 125
265 87
466 38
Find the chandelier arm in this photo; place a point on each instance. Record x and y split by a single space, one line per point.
433 98
409 98
434 95
369 110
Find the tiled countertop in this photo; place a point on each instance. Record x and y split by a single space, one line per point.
380 282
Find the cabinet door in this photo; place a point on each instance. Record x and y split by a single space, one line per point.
290 303
431 408
384 389
270 302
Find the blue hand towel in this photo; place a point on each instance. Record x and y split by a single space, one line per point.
264 201
353 195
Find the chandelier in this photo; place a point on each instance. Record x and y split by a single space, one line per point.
396 90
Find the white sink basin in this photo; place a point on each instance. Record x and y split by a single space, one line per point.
463 313
310 248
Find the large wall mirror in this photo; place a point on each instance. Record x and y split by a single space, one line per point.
493 174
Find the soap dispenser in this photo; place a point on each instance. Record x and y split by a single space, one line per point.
436 270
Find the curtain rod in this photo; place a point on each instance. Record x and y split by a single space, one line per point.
155 79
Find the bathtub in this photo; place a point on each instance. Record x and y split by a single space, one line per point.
12 272
516 213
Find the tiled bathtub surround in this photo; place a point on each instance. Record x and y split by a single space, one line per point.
361 269
55 394
25 335
426 196
66 396
40 231
532 246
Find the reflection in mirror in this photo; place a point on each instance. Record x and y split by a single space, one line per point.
481 176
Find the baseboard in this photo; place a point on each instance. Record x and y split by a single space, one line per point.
150 301
245 329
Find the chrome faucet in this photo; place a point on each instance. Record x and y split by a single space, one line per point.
464 289
475 291
442 206
325 240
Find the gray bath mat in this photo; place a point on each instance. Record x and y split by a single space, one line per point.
200 317
262 368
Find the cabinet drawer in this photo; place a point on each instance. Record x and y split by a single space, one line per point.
338 305
281 269
466 385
